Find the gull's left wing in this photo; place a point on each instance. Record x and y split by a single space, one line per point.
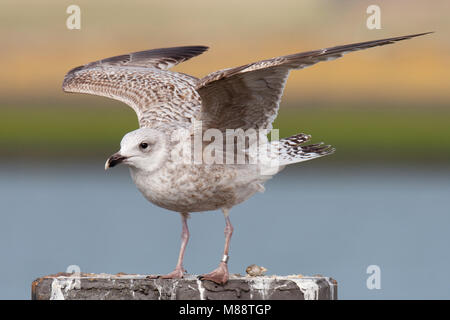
249 96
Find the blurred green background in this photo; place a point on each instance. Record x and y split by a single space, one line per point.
386 104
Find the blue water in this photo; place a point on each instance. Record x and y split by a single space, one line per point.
334 221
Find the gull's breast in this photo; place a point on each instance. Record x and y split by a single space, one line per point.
193 188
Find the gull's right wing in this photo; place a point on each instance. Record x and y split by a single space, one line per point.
141 80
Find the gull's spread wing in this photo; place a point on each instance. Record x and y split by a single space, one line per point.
141 80
249 96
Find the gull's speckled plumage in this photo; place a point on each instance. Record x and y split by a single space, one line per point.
246 97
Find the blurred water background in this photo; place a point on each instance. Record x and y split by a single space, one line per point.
382 199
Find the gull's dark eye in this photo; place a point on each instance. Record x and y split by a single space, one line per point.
143 145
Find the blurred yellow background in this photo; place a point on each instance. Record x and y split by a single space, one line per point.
390 99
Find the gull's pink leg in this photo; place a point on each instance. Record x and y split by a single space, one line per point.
220 274
179 270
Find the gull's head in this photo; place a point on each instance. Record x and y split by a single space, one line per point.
142 149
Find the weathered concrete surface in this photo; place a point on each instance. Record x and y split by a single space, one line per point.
87 286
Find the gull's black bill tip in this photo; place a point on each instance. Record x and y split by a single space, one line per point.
114 160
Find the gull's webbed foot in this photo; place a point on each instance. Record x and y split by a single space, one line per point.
178 273
219 275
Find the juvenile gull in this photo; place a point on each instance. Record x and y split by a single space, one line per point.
245 97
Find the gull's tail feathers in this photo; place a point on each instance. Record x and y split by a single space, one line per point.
292 151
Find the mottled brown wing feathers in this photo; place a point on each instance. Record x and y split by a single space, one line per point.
249 96
163 58
141 80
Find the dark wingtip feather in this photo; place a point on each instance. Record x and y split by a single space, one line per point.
420 34
318 148
406 37
198 48
179 54
154 57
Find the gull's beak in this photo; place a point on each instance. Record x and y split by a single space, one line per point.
114 160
